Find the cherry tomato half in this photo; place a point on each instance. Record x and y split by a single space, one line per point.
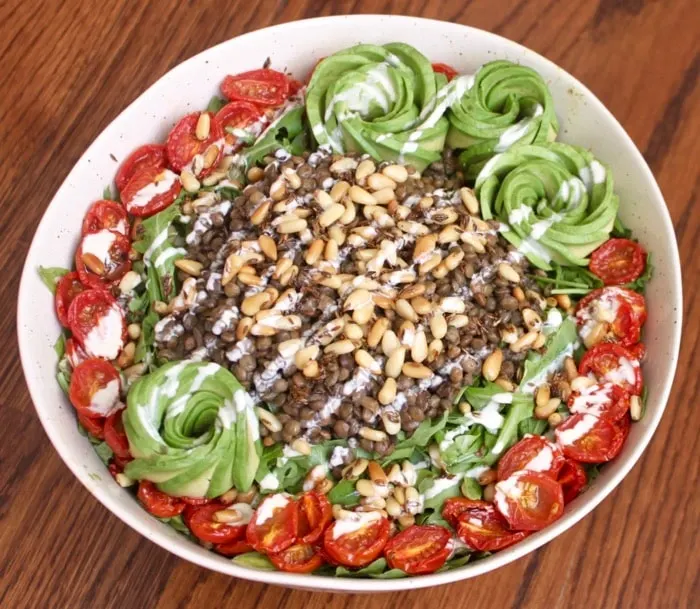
483 529
158 503
233 548
263 87
314 515
618 261
144 157
115 436
419 549
454 506
359 546
613 363
74 353
529 501
278 528
84 315
200 520
183 143
108 215
236 115
573 479
622 312
299 558
108 250
67 288
639 351
604 400
95 426
589 439
94 388
533 453
294 86
443 68
150 190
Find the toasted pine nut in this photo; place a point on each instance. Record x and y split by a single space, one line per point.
189 182
340 347
469 199
292 177
93 263
542 396
564 301
390 343
210 156
525 341
313 254
339 190
252 304
269 420
360 196
378 181
332 214
364 169
387 394
487 477
375 435
518 293
416 371
365 360
508 273
635 408
570 368
505 384
405 310
191 267
419 350
492 365
311 370
581 382
203 125
457 321
594 335
453 304
291 226
377 331
260 213
532 320
395 362
554 419
406 520
398 173
539 341
543 412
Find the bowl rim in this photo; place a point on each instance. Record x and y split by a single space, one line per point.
194 553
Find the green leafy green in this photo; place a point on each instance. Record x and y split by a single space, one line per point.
344 493
479 397
521 408
533 426
288 132
423 433
620 230
50 276
464 451
433 517
104 452
254 560
215 104
471 489
456 562
559 345
60 345
434 502
574 280
144 346
399 454
640 284
592 471
375 570
64 372
178 524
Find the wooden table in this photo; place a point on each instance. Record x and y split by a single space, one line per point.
69 68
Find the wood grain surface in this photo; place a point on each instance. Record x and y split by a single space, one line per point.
69 67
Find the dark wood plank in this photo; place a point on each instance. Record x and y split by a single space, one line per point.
70 67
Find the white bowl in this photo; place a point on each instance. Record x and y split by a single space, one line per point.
297 46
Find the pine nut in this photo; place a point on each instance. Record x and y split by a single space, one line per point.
363 314
430 263
438 325
248 496
134 331
324 199
416 371
366 488
453 259
518 294
337 234
339 190
393 508
570 368
342 165
469 199
539 341
424 245
487 477
365 360
449 234
126 357
189 182
313 254
407 333
564 301
356 468
292 178
405 310
476 242
406 520
191 267
395 362
93 263
435 348
426 202
278 189
505 384
391 343
375 435
421 305
384 196
252 304
305 355
340 347
419 350
387 394
330 253
360 196
489 493
245 324
353 332
465 407
542 396
234 516
282 266
376 473
532 320
581 382
391 421
635 408
203 125
378 181
292 226
377 331
260 213
123 480
364 169
268 246
595 335
130 280
555 419
452 304
209 158
507 272
525 341
332 214
398 173
543 412
255 174
492 365
269 420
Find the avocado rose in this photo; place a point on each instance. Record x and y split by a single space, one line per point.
192 430
385 101
556 201
508 105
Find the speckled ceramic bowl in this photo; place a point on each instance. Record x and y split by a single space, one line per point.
297 46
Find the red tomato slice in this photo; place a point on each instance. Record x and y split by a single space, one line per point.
622 311
200 520
233 548
357 547
264 87
613 363
454 506
573 479
95 426
67 288
604 400
106 214
419 549
294 86
314 515
115 436
443 68
111 250
94 388
237 115
529 501
158 503
639 351
274 524
84 315
586 438
299 558
75 353
198 501
483 529
533 453
145 157
183 144
150 190
618 261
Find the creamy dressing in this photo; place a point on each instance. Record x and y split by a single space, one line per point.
105 400
269 506
591 400
567 437
105 339
542 461
158 187
99 244
507 489
350 524
557 364
626 372
269 483
442 484
592 174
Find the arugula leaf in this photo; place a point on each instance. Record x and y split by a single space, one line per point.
50 276
146 340
464 450
344 493
254 560
435 502
479 397
559 345
63 381
433 517
399 454
423 433
104 452
574 280
453 563
533 426
64 372
521 408
390 574
620 230
284 133
178 524
592 471
60 345
376 570
640 284
471 489
216 103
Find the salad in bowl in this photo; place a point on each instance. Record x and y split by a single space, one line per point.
374 321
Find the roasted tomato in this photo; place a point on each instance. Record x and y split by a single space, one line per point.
67 288
454 506
108 215
97 323
618 311
158 503
533 453
294 87
74 353
233 548
356 543
274 524
443 68
184 145
202 521
299 558
237 115
529 501
115 436
483 529
263 87
102 258
94 388
314 516
589 439
573 479
604 400
419 549
95 426
618 261
614 364
150 190
150 156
